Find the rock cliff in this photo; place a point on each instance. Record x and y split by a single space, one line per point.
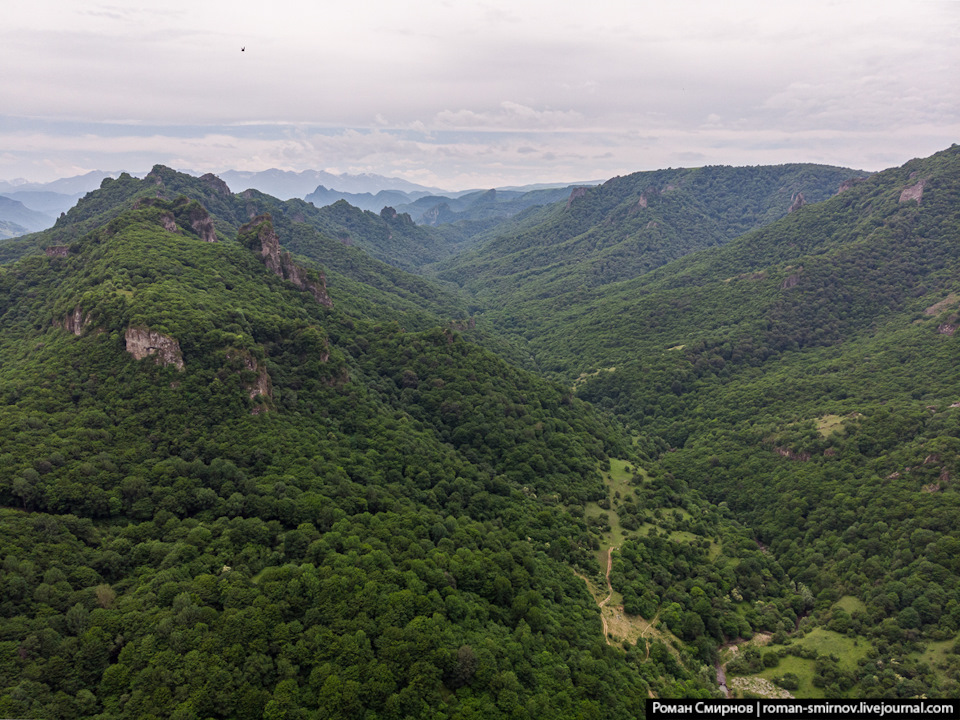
258 234
913 192
74 322
143 342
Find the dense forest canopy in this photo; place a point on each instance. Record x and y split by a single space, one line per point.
252 466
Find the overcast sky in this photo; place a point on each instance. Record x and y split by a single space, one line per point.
461 94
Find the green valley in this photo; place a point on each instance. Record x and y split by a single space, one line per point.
261 459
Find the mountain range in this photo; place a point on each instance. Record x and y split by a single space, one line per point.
263 458
365 191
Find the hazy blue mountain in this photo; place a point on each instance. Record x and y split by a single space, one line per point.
11 229
285 184
45 201
322 196
68 186
16 212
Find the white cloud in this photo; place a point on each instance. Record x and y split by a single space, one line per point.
387 87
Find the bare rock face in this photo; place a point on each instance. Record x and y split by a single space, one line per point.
57 250
797 202
169 222
790 282
299 277
74 322
913 192
577 192
280 263
202 224
261 236
143 342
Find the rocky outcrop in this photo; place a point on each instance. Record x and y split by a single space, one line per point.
301 278
259 386
202 224
790 282
269 243
848 184
216 184
797 202
577 192
913 192
57 250
74 322
259 232
182 213
169 223
791 455
143 342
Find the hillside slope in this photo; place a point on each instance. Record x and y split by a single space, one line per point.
631 225
229 488
805 376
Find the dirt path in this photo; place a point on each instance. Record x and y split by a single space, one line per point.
602 603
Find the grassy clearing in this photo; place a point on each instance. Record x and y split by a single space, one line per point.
935 654
830 424
824 642
850 604
617 480
583 377
802 668
828 642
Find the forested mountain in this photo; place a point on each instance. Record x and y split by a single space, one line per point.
235 484
805 375
390 237
633 224
240 482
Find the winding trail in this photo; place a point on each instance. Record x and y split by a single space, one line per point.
603 602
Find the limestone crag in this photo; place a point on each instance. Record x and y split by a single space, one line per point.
143 342
913 192
261 385
202 224
169 223
797 202
577 192
57 250
260 231
74 322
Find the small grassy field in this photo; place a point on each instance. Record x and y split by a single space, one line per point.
850 604
802 668
829 424
935 653
825 642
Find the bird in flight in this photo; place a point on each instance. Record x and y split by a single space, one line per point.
243 49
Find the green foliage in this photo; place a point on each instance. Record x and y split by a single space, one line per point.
322 513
